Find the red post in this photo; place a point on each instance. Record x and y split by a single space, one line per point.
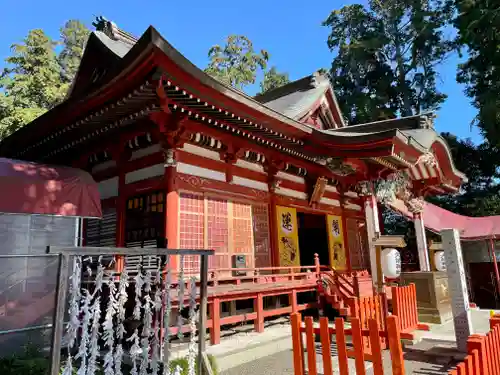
311 346
259 309
494 321
394 338
495 265
298 353
477 343
215 316
318 266
293 301
326 346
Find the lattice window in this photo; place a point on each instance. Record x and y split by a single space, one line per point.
242 231
191 228
260 215
218 232
225 226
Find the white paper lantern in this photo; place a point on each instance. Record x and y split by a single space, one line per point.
391 263
439 261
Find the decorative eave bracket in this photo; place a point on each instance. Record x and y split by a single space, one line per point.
318 191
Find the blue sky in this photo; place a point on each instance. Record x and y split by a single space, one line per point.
289 30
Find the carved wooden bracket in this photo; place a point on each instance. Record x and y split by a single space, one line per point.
318 191
162 95
171 128
272 167
230 156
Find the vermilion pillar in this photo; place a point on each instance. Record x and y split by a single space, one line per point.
273 232
172 201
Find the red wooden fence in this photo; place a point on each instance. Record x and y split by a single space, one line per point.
404 305
483 353
366 309
374 334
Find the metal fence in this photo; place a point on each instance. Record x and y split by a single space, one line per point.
27 301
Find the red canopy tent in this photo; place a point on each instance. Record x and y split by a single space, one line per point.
30 188
471 228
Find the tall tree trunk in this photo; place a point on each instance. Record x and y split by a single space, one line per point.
407 111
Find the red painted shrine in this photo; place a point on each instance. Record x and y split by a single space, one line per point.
266 181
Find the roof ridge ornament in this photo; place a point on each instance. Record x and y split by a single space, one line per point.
318 77
426 121
107 27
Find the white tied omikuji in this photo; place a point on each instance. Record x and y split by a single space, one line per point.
152 304
108 328
166 317
120 318
180 295
192 326
74 312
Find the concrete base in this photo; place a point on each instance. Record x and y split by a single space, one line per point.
433 299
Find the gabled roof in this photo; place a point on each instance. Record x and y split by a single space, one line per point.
296 98
118 68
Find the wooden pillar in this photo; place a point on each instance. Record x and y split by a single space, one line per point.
273 232
120 156
172 209
171 132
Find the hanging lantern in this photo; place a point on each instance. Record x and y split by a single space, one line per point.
440 261
391 262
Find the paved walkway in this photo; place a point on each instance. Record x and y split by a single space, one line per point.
242 351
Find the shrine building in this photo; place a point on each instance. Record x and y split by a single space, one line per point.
184 160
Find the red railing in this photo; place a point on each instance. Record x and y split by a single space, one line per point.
262 274
255 284
483 353
366 309
374 334
404 305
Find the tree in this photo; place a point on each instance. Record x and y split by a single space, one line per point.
478 25
236 64
31 83
480 195
273 79
74 37
386 57
36 79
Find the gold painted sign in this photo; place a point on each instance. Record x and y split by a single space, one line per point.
337 250
288 237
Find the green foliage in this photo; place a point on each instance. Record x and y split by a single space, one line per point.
36 78
183 363
478 25
32 362
480 196
29 362
273 79
386 57
236 64
74 36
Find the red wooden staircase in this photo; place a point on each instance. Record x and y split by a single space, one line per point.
340 289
